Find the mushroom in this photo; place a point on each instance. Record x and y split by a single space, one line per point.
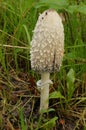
47 48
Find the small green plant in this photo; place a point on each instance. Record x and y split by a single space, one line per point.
85 127
46 123
70 84
49 124
22 120
56 94
70 88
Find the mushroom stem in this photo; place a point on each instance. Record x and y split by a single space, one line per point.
44 96
43 86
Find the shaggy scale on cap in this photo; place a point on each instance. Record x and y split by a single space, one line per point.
47 45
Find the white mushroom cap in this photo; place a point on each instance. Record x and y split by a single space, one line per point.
47 45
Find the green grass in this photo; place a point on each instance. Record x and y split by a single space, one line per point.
68 93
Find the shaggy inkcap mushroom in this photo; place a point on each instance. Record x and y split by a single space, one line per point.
47 48
47 43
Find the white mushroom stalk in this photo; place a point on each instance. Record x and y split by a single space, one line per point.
47 48
43 86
